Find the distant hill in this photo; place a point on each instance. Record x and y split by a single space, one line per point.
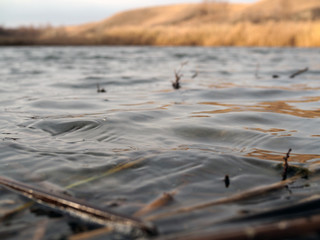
211 23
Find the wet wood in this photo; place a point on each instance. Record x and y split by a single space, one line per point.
80 209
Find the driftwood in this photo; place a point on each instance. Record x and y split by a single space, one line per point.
80 209
299 72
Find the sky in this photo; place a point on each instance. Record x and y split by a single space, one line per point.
15 13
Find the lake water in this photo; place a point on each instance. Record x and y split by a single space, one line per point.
232 116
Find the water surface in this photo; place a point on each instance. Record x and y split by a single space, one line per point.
231 116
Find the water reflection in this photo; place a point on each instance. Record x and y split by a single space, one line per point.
56 128
277 156
282 107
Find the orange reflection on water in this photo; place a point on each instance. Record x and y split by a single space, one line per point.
274 131
282 107
278 156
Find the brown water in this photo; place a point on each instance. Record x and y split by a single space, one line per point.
231 118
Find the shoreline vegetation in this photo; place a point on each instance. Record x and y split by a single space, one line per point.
273 23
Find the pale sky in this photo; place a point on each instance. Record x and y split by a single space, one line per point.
68 12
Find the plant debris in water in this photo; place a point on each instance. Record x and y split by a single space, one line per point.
286 165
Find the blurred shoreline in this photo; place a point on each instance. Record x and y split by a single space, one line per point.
272 23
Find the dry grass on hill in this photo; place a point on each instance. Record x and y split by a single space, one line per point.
265 23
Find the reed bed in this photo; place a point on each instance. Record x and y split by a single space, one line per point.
299 34
271 34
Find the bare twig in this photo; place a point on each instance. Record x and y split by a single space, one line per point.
286 165
178 76
299 72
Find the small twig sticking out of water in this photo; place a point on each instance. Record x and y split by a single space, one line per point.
227 181
100 90
178 75
286 165
299 72
176 83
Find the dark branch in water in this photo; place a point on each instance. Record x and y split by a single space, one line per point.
299 72
178 75
286 165
74 207
100 90
176 83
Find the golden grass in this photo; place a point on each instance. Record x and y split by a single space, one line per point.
265 23
271 33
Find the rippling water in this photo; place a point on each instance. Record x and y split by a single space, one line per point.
231 116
